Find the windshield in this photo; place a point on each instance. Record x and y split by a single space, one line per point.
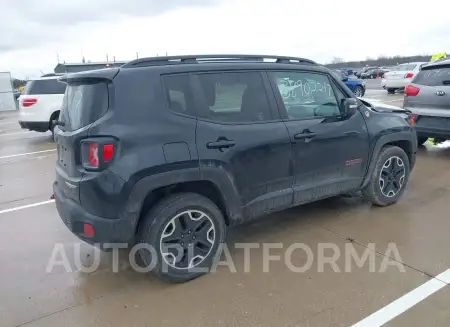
437 76
44 86
405 67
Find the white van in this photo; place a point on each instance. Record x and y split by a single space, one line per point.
40 103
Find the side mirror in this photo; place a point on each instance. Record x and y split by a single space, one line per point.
350 106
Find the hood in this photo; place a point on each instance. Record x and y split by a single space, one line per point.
379 106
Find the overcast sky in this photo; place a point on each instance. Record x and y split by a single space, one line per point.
34 31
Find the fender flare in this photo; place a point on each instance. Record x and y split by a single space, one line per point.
381 142
149 183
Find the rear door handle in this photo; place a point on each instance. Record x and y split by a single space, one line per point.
301 136
220 144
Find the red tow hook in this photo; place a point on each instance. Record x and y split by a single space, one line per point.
52 197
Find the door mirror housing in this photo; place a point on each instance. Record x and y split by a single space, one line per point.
350 106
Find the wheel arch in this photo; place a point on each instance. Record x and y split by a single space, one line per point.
403 140
149 190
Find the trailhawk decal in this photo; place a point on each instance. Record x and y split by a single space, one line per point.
353 161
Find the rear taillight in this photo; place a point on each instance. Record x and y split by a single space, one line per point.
411 91
108 152
409 75
97 155
28 102
93 155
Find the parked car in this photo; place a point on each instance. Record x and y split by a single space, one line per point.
401 76
169 152
374 73
357 86
428 98
363 70
41 103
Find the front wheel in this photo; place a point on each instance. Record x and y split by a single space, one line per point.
180 237
389 178
359 91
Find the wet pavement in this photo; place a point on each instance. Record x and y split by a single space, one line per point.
407 242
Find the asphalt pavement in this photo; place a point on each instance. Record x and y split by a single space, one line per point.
403 282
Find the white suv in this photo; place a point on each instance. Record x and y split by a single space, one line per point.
40 103
400 76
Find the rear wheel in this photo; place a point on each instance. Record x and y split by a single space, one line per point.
183 232
390 91
52 125
389 178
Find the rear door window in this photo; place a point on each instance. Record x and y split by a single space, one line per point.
44 86
437 76
83 104
234 97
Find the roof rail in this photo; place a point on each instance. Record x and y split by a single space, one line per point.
51 74
195 59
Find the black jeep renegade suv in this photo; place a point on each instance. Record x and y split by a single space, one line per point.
171 151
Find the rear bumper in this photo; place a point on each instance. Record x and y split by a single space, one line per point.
34 126
433 132
395 83
105 230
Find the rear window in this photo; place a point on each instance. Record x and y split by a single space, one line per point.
83 104
433 77
44 86
405 67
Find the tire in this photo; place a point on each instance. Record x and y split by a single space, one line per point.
52 126
359 91
391 91
373 191
162 218
421 140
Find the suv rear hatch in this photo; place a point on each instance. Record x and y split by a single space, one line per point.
85 101
428 96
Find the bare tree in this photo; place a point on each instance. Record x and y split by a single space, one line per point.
337 60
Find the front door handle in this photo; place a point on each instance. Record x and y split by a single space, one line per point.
301 136
220 144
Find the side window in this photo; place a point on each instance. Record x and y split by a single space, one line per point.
178 93
306 95
233 97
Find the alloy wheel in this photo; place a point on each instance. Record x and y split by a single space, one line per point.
187 239
392 176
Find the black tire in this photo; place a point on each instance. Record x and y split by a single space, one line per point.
359 90
52 126
390 91
373 192
421 140
157 220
